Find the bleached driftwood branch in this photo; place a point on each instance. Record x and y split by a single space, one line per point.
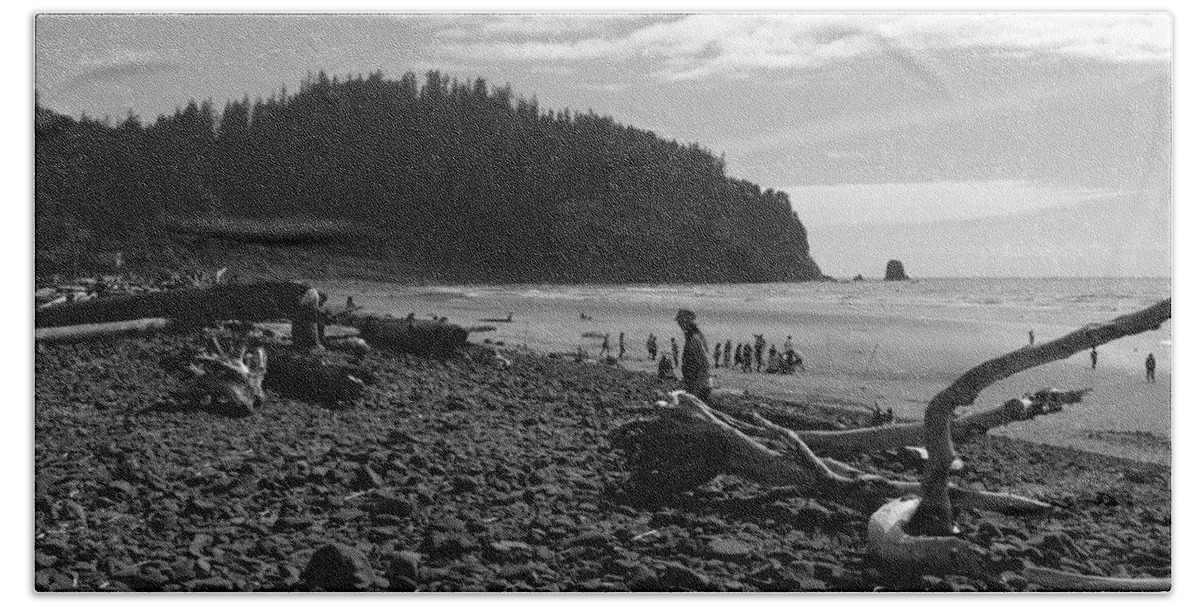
967 427
691 443
933 516
91 331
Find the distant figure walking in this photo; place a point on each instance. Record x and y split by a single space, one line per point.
1095 356
1031 337
621 346
1150 365
652 347
759 344
717 355
605 348
675 352
665 369
695 356
728 349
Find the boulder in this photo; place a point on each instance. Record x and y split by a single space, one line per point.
895 271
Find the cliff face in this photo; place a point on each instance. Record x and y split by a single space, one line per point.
895 271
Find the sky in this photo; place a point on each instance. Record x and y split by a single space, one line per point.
965 144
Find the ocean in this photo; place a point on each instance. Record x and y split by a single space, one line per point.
893 343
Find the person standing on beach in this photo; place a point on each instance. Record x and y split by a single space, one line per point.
695 356
1095 355
605 348
759 344
621 346
717 355
665 370
675 352
728 347
1150 365
652 346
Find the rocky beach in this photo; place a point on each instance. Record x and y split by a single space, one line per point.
461 475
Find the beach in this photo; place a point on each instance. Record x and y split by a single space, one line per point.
466 476
892 343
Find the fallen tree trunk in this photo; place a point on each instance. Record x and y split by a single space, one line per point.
971 426
91 331
263 301
408 335
934 516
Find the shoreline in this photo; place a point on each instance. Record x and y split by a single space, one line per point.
899 358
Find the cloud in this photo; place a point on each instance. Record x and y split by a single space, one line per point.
895 203
698 46
124 63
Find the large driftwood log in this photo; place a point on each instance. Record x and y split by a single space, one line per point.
934 516
690 443
965 428
405 335
263 301
92 331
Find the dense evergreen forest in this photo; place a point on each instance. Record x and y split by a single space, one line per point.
461 178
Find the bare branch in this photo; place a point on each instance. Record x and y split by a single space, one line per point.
934 516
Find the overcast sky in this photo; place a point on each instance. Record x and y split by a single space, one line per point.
1022 126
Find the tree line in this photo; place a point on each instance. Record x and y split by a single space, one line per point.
458 176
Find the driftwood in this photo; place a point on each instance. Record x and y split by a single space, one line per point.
1057 580
410 335
263 301
965 428
691 443
92 331
934 516
225 378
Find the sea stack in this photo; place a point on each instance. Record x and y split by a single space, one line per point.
895 271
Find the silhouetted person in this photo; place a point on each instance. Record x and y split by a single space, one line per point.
665 369
717 355
1031 337
1150 365
728 349
695 356
759 344
1095 356
675 352
621 346
606 347
652 346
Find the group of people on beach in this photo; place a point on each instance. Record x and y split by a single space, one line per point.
746 357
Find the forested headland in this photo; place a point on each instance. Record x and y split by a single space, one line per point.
458 181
